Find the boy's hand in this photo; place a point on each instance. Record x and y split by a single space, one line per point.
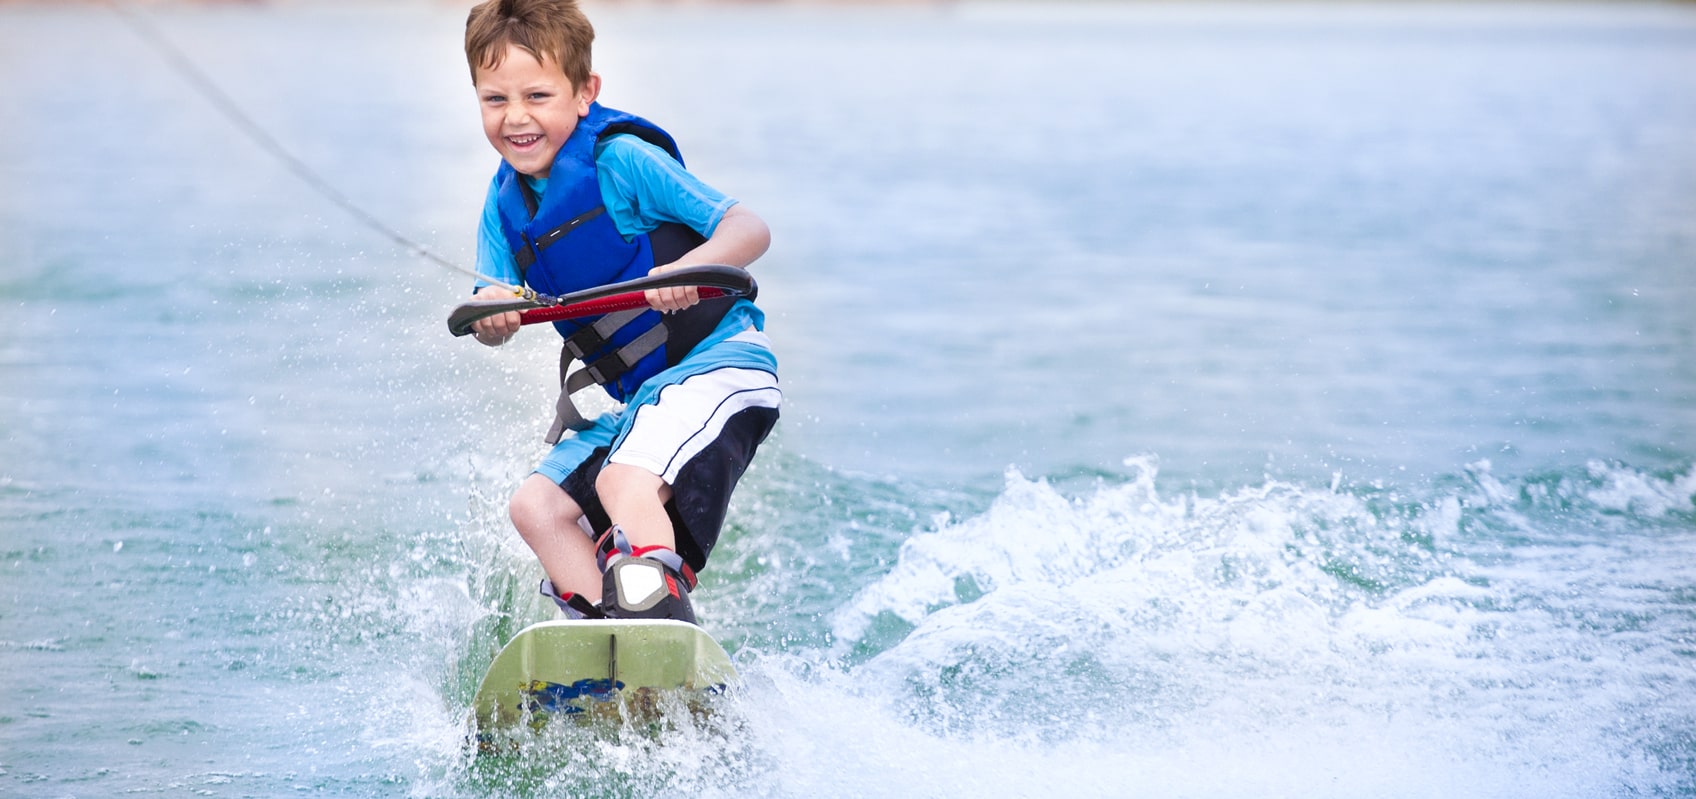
500 328
675 298
740 237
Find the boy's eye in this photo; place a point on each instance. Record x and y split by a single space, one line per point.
539 95
494 99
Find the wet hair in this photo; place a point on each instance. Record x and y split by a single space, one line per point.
555 29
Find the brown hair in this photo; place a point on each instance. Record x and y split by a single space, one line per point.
554 29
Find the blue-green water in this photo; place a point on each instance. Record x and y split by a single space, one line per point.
1205 401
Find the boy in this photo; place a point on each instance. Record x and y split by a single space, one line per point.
627 509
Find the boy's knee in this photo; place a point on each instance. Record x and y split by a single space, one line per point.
538 502
618 480
523 505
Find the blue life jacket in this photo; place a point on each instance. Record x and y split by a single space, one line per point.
566 241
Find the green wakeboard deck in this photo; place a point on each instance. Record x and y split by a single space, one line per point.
589 669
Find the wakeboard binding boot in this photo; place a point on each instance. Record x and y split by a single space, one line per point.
573 605
643 582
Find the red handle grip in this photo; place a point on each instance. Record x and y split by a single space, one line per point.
604 305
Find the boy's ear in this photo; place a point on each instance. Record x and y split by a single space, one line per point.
587 94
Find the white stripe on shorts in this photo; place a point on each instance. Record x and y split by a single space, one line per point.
690 415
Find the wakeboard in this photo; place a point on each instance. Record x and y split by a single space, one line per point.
594 669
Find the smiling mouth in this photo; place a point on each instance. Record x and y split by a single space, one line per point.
525 140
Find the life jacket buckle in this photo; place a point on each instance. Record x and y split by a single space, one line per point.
607 369
584 342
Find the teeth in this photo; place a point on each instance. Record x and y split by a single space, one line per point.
523 141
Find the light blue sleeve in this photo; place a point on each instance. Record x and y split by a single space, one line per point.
643 186
494 255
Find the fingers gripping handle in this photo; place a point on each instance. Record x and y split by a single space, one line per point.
460 321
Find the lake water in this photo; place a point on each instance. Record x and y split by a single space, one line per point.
1183 400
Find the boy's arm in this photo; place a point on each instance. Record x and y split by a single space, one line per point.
644 186
494 259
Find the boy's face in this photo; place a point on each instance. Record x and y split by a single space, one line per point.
530 108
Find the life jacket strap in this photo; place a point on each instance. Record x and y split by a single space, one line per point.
602 370
525 257
612 366
593 337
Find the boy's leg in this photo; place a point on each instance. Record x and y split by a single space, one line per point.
546 517
661 486
667 478
648 579
635 499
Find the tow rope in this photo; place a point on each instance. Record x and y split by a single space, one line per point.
713 280
203 85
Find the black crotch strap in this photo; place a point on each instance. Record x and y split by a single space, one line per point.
602 370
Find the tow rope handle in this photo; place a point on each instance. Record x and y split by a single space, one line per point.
714 281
